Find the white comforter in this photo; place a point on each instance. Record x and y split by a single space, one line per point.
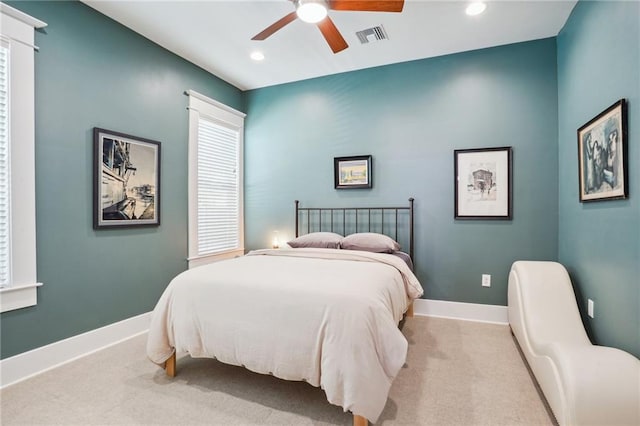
328 317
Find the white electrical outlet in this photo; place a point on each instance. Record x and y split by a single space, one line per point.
590 307
486 280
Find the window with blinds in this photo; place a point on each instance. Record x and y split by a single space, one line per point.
216 134
218 188
5 217
18 267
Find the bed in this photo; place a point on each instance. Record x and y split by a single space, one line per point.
316 313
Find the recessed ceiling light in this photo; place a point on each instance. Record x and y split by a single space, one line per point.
257 55
476 8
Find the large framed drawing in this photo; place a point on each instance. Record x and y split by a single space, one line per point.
352 172
482 183
602 155
126 180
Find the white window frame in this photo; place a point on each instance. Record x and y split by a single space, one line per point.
17 28
212 110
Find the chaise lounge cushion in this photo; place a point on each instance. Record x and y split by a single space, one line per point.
583 384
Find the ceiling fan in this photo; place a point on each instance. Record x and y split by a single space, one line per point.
315 11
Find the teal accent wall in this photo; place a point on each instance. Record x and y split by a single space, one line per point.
410 117
599 242
93 72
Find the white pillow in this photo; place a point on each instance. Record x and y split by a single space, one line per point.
317 240
370 241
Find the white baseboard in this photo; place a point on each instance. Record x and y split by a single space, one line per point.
36 361
39 360
462 311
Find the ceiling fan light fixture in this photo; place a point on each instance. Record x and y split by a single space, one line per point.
311 11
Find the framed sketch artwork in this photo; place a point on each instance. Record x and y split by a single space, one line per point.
602 155
482 181
352 172
126 180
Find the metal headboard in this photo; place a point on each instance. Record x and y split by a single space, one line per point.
338 219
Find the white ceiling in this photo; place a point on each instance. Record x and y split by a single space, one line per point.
216 34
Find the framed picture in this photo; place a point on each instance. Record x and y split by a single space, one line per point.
482 181
352 172
126 180
602 155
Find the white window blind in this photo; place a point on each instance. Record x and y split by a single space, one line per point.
5 195
216 223
218 188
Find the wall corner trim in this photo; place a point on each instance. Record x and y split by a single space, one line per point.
493 314
28 364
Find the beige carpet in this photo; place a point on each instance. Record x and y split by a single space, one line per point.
457 373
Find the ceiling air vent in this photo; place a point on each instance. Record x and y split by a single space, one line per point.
372 34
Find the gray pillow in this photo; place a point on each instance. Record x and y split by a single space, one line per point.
370 241
317 240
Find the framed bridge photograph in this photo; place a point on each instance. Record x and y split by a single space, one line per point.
126 180
482 182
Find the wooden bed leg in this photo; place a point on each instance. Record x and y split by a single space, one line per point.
359 421
410 310
170 366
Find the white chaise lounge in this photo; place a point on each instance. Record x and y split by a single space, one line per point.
583 384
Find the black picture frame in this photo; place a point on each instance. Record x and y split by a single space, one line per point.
483 183
353 172
602 155
126 180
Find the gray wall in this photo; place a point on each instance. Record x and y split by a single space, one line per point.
599 242
411 117
91 71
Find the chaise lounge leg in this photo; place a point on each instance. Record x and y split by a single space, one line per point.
170 366
359 421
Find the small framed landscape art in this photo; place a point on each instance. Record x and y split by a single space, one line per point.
482 181
352 172
126 180
602 155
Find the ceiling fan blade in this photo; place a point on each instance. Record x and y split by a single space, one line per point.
336 42
367 5
287 19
